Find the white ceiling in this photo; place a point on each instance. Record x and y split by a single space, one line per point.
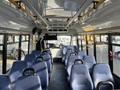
102 18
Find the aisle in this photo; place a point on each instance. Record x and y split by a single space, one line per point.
59 78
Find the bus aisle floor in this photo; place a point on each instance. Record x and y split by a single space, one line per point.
59 78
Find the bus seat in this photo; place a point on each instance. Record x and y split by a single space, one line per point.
36 53
71 57
80 78
81 54
47 58
16 70
102 77
29 81
29 58
40 67
42 70
49 54
64 51
4 82
67 56
90 61
71 60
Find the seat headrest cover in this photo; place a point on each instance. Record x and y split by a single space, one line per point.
28 72
78 61
40 58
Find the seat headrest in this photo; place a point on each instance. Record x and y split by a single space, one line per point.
29 57
28 72
73 53
78 61
45 51
39 59
36 53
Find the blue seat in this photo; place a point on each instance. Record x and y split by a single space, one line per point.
16 70
72 47
50 54
29 81
47 58
71 60
48 51
90 62
102 77
64 51
30 59
36 53
40 66
42 70
81 54
4 82
80 78
67 56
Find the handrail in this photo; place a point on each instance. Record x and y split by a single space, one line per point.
105 83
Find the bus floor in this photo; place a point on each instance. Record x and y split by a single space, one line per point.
59 78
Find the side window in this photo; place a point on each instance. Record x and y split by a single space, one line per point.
102 50
24 45
0 59
1 50
116 54
12 50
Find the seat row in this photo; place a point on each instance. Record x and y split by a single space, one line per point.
84 73
31 74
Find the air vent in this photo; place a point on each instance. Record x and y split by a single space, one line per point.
58 30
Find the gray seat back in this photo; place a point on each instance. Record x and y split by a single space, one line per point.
16 70
64 50
71 60
80 78
82 54
28 83
4 82
102 76
42 70
36 53
29 58
67 56
40 66
47 58
90 62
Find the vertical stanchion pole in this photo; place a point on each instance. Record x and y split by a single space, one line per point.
4 62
